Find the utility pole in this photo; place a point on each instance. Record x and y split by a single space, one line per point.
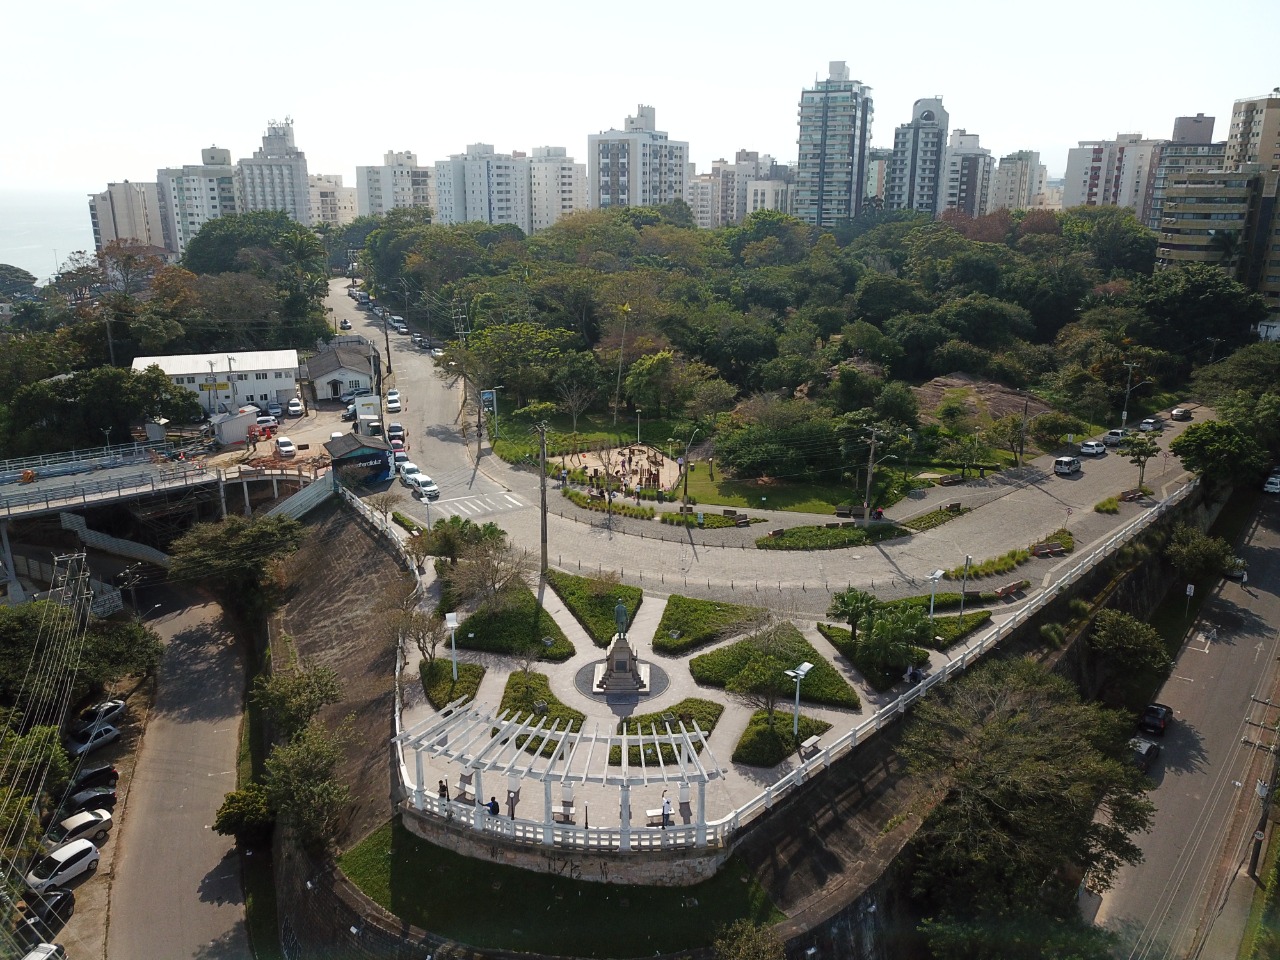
622 349
542 485
1022 440
460 333
1124 415
386 335
871 465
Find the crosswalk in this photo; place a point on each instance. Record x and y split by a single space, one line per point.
475 506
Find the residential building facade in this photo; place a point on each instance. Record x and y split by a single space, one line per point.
1109 172
638 166
194 194
331 202
1017 181
557 186
877 175
128 212
1185 153
1254 136
967 180
224 382
398 182
275 177
919 148
481 185
834 134
702 193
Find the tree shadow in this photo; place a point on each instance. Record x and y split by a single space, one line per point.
232 945
201 675
221 885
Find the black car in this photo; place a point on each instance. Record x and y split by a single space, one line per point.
102 775
1156 719
93 798
1144 752
45 914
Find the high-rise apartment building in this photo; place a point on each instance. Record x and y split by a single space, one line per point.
557 186
485 186
1113 173
275 177
331 202
638 166
916 170
747 184
1255 132
967 176
1190 151
399 182
1017 181
877 175
194 194
835 130
702 193
129 212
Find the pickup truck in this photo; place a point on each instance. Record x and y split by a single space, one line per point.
1112 438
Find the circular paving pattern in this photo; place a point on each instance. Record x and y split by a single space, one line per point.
658 683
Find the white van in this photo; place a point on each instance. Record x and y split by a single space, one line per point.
1066 466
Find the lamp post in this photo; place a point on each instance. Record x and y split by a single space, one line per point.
964 583
797 675
933 591
451 621
1022 437
235 394
686 466
638 412
1124 415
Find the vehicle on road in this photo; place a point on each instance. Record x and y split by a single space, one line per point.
62 865
1093 448
103 775
393 394
87 741
393 406
437 352
295 407
1151 424
420 485
408 468
88 824
1066 466
267 422
285 447
46 951
1156 718
395 431
1272 485
1144 752
336 434
45 915
1112 438
349 413
108 711
1179 413
399 457
344 324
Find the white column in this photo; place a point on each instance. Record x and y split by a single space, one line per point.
417 791
481 811
624 833
701 819
549 822
244 485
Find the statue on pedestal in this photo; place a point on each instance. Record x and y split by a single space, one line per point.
620 618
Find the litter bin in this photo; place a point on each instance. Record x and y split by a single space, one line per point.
660 500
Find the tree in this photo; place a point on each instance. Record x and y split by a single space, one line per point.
967 451
300 784
247 815
1047 429
744 940
127 267
760 683
897 403
224 245
851 605
1122 645
1007 432
1219 452
426 631
383 504
293 699
1140 449
1195 555
486 571
1183 302
236 557
893 638
16 282
578 383
1030 779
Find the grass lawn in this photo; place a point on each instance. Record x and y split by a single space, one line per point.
765 745
517 442
517 628
798 496
500 907
823 684
688 623
525 689
591 601
438 683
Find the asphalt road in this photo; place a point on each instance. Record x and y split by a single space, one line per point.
175 890
1206 806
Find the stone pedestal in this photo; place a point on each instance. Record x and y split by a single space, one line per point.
621 672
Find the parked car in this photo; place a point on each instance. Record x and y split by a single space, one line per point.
86 741
275 410
1113 437
104 775
344 324
295 407
437 352
1272 485
62 865
407 468
91 798
350 395
1151 424
395 431
336 434
267 422
1144 752
421 485
398 457
90 824
1179 413
45 915
1156 718
108 711
1066 466
393 395
285 447
349 413
393 406
1093 448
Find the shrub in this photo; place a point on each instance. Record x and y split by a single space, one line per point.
591 601
879 679
1109 505
696 623
829 538
1079 607
705 712
439 686
1054 633
408 523
1063 536
951 629
990 568
824 684
762 745
710 521
514 627
247 815
934 518
520 694
941 601
599 506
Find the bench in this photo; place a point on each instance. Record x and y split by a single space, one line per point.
1051 549
563 812
1130 495
776 533
953 507
731 513
654 817
845 524
832 526
741 521
950 480
811 743
1009 589
849 511
465 792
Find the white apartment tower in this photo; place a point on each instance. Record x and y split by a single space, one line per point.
331 202
835 128
399 182
275 177
968 175
919 150
129 212
638 166
485 186
1109 173
1017 181
194 194
702 193
752 182
557 186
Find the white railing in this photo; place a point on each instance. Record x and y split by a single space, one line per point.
109 544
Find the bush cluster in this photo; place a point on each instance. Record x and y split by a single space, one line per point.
438 683
1109 505
765 745
696 623
710 521
992 567
706 712
591 601
514 627
523 690
934 518
951 629
879 679
829 538
619 507
824 684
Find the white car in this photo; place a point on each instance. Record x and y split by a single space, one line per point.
65 863
267 422
295 407
437 352
1093 448
393 395
393 406
1151 424
80 744
285 447
421 485
87 825
399 457
407 468
275 410
1272 485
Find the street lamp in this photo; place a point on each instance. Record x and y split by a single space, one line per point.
686 466
451 621
933 591
638 412
797 675
964 583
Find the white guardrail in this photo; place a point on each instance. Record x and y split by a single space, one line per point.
719 832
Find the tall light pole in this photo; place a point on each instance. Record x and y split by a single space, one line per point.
871 466
1124 415
622 349
686 468
1022 439
964 584
638 412
451 621
797 675
231 377
933 591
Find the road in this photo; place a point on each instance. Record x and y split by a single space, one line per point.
1206 807
175 888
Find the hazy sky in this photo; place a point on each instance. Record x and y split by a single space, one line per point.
103 93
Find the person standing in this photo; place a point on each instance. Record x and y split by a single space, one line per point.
666 810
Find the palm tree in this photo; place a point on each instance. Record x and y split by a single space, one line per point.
852 605
892 642
1227 244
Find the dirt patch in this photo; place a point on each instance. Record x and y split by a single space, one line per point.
982 398
336 582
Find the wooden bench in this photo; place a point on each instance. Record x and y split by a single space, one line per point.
776 533
1130 495
950 480
811 743
1009 589
742 521
844 510
844 524
832 526
730 513
1051 549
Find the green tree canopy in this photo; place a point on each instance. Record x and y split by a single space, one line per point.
1219 452
236 557
224 245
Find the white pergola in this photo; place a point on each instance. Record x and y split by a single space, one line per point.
526 747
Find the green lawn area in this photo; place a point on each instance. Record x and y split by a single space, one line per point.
688 623
823 684
518 442
519 626
706 712
497 907
438 683
591 601
765 745
523 690
798 496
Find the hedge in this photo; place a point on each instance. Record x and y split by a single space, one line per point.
438 684
823 684
512 629
1109 505
520 693
688 623
706 712
710 521
934 518
591 601
410 524
951 630
879 679
619 508
764 746
829 538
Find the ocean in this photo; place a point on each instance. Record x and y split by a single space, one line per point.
38 230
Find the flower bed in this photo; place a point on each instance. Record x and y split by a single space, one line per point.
824 684
828 538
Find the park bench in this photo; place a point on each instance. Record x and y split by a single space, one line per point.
811 743
1050 549
1130 495
465 791
539 707
730 513
1009 589
832 526
848 523
950 480
844 510
654 817
563 812
954 507
742 521
776 533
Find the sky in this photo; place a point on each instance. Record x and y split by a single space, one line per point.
114 92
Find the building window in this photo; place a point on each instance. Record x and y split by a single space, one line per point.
259 376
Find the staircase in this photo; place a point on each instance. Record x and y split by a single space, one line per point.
109 544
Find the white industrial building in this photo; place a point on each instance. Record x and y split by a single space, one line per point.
398 182
194 194
275 177
638 166
224 382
